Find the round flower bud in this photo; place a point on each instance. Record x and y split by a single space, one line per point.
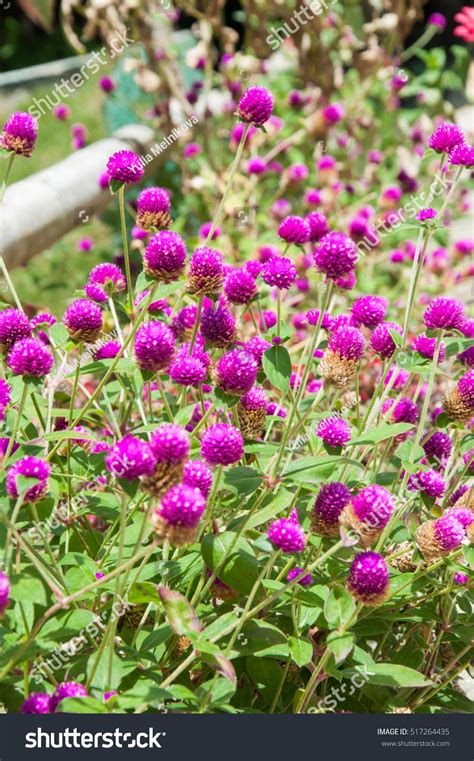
368 578
30 357
109 277
279 272
426 346
19 134
255 106
198 475
429 482
83 320
444 314
236 372
318 225
125 166
187 370
154 346
67 690
438 447
37 702
218 326
206 271
330 502
294 230
178 514
438 538
28 467
462 155
336 255
130 458
404 411
305 581
251 413
4 593
445 137
287 535
14 324
334 431
382 341
222 444
240 286
165 256
153 209
369 310
368 512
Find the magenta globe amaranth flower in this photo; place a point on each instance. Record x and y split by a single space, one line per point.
19 134
460 578
198 475
109 350
440 537
83 320
252 412
382 341
318 226
257 347
154 346
187 370
32 468
335 255
403 411
125 167
30 357
330 502
437 19
334 431
14 324
107 84
165 256
130 458
67 690
369 311
462 155
109 277
305 581
465 389
37 702
341 358
240 286
368 513
445 137
222 444
426 346
218 326
287 535
4 592
294 230
279 272
368 578
438 447
169 444
429 482
424 215
206 271
236 372
255 106
458 404
153 209
446 314
179 514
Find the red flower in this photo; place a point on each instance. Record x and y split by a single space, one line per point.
466 24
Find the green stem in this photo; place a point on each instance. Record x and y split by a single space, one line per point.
16 426
126 254
233 170
6 175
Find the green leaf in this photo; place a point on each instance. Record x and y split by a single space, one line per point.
270 511
301 651
382 432
276 364
115 186
339 607
180 614
265 674
26 588
243 480
394 675
261 639
221 664
240 569
82 705
340 645
144 592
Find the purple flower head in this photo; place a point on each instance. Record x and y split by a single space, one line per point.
297 172
67 690
318 225
331 501
43 319
255 399
333 113
287 535
327 322
218 326
462 155
426 346
437 19
182 506
236 372
463 515
444 313
154 346
29 356
439 446
95 292
279 272
460 578
5 396
426 214
4 442
107 84
170 444
294 230
430 482
125 166
206 271
449 532
401 377
374 505
19 134
28 467
83 320
467 356
37 702
198 475
404 411
222 444
257 346
191 149
347 282
239 286
165 255
445 137
269 320
255 106
187 370
382 341
368 577
305 581
465 388
130 458
14 325
108 351
4 592
347 343
153 209
334 431
185 320
109 277
336 255
256 165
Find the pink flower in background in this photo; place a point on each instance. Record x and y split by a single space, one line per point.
62 112
465 18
